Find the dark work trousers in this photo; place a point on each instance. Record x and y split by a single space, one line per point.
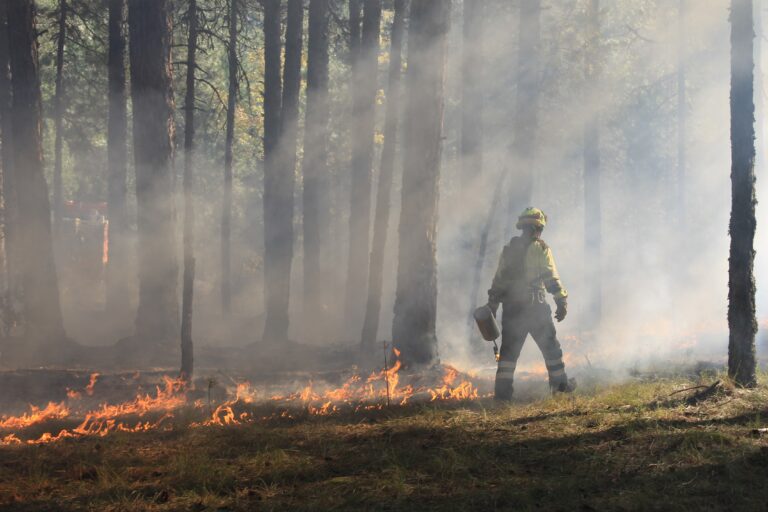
517 322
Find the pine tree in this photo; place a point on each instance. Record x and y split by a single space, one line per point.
117 291
364 87
386 175
42 309
149 22
741 282
413 329
316 201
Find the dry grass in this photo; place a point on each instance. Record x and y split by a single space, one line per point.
624 447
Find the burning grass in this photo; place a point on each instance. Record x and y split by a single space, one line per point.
634 446
77 416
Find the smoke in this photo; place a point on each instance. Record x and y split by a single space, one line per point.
664 267
664 264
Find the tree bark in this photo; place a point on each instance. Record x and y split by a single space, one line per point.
277 207
388 153
741 282
355 17
592 203
316 203
117 294
9 216
759 87
286 179
187 296
365 85
471 144
42 310
471 88
413 329
58 115
157 319
526 108
682 114
226 209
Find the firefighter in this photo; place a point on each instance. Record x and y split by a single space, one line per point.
526 272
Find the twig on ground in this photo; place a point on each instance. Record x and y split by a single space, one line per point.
688 389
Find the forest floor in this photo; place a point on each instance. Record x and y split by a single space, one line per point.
642 445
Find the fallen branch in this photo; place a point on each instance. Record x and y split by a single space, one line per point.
703 394
687 389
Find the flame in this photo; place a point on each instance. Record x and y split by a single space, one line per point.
91 383
153 411
52 411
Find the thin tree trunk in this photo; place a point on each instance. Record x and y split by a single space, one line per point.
682 114
365 85
10 219
413 329
482 250
592 203
289 128
117 294
355 17
526 120
187 296
58 115
276 205
42 310
471 148
741 282
316 203
471 90
157 318
759 88
388 153
226 209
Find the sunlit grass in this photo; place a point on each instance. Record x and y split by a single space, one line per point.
607 447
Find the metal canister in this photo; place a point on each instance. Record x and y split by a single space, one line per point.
486 322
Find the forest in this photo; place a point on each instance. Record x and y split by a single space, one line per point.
286 255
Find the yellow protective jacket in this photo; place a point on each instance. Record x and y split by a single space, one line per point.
526 269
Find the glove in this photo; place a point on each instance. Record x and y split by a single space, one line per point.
494 307
562 309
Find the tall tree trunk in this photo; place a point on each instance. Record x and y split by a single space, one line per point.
10 218
289 128
58 114
316 203
526 121
682 114
355 17
157 319
413 329
471 89
117 295
759 87
42 310
471 148
482 250
388 152
741 282
187 296
592 208
365 86
226 209
277 207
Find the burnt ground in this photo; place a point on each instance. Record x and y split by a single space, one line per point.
647 444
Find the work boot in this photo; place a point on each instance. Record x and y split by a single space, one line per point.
566 386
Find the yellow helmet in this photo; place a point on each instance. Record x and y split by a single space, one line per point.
532 217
